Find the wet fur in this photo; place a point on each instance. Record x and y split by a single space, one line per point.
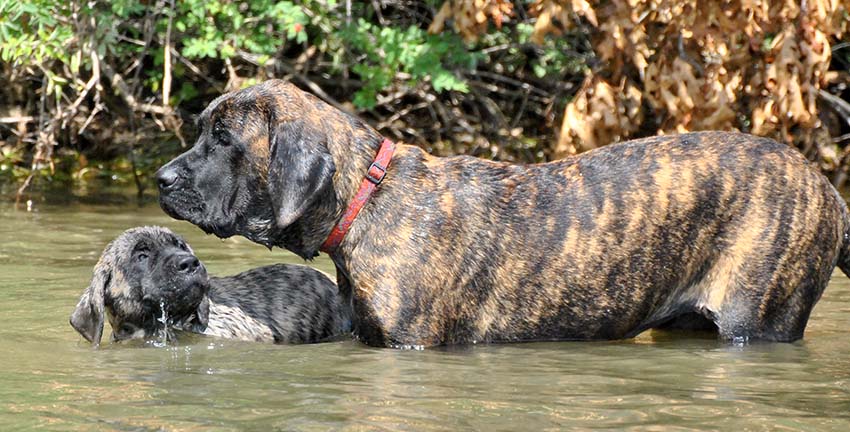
704 230
278 303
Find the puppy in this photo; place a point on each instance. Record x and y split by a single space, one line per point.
148 280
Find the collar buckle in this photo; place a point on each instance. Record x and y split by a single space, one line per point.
376 173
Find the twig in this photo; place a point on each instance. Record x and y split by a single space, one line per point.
348 12
840 106
680 45
140 187
503 91
94 80
166 73
839 46
138 63
520 111
390 98
39 143
98 107
23 188
400 114
841 138
497 48
122 89
506 80
197 71
298 76
232 76
376 5
22 119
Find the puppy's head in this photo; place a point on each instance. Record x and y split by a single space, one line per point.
141 270
260 162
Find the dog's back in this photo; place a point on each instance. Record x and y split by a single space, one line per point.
281 303
734 228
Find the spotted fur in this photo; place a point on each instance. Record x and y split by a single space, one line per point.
715 230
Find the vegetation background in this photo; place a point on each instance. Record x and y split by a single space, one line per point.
108 89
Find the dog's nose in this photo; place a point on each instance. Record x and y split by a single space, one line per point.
166 177
188 264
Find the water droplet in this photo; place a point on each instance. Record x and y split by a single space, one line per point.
163 331
740 341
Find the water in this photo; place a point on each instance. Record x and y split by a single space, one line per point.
51 379
163 329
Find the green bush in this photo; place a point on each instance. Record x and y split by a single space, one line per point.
493 97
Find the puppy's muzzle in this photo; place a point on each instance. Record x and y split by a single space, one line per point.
188 265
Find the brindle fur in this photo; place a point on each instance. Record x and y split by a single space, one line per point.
714 229
278 303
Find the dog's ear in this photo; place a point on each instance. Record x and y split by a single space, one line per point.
203 313
300 169
88 317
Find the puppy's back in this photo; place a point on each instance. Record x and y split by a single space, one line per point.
283 303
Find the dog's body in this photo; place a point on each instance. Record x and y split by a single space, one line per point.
148 281
280 303
720 230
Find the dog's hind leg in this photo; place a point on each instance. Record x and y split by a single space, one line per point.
767 292
777 310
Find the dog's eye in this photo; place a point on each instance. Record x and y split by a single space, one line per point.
220 135
142 255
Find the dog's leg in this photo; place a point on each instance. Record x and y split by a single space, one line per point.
766 300
345 300
773 311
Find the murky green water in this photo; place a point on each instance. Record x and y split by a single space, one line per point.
50 379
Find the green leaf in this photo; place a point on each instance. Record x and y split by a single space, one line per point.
227 51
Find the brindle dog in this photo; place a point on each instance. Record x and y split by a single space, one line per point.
715 229
148 272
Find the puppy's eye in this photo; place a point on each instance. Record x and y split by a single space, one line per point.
180 244
125 331
142 255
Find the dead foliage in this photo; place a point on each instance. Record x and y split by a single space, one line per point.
670 66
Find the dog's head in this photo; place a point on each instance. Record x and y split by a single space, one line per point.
265 162
140 272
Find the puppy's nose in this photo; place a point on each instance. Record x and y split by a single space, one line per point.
166 177
188 264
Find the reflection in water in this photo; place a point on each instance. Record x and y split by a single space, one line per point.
51 379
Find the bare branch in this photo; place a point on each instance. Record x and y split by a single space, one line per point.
21 119
120 86
166 73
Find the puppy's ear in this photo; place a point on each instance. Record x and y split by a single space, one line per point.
203 312
88 317
300 169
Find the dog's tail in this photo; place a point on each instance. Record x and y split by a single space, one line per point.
844 250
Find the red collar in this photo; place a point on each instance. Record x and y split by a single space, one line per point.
374 175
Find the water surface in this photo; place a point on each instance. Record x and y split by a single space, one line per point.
51 379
